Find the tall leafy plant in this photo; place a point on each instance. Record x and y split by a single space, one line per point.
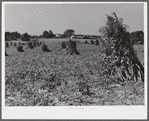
120 58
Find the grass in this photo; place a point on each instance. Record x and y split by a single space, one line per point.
34 78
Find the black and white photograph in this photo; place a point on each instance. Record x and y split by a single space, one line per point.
84 60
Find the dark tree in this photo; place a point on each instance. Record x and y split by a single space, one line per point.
12 36
45 34
50 34
25 37
40 36
68 33
137 37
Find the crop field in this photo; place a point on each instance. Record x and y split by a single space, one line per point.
37 78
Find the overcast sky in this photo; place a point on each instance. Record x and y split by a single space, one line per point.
83 18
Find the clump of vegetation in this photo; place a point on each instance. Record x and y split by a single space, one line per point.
97 42
86 42
71 48
92 42
63 45
34 44
15 44
7 45
45 49
120 58
20 48
38 44
25 37
137 37
6 54
30 45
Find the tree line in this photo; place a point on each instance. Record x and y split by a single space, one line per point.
46 34
137 37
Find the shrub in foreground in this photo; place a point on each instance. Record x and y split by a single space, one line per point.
45 49
30 45
97 42
92 42
6 54
86 42
20 48
63 45
121 61
71 48
7 45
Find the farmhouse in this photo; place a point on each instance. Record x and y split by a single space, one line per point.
80 36
95 37
58 35
77 36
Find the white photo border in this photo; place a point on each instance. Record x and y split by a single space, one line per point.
63 112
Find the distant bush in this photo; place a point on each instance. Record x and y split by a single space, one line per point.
25 37
71 48
6 54
86 42
7 45
34 44
30 45
63 45
15 44
92 42
38 44
45 49
20 48
97 42
137 37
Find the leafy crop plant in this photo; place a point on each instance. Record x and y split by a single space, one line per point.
120 57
